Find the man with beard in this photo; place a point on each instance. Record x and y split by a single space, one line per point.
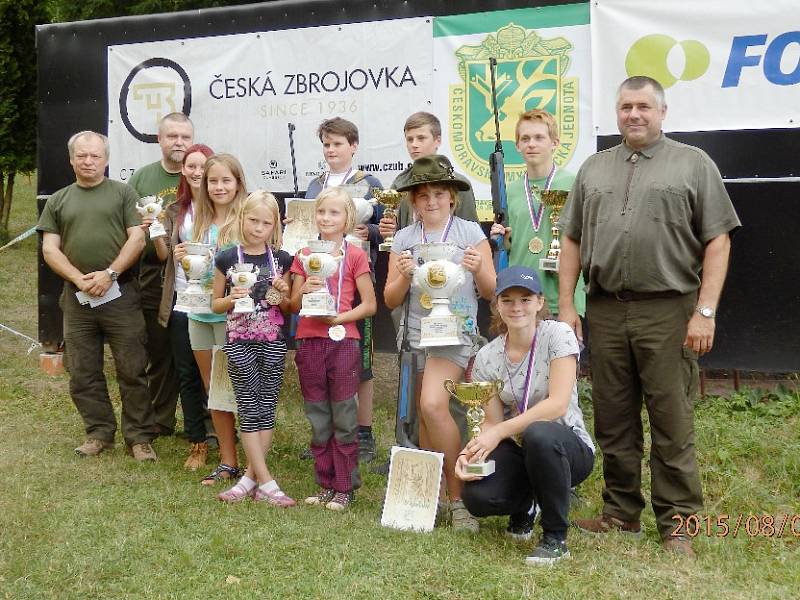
161 178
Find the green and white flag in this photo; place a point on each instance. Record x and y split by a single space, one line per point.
543 61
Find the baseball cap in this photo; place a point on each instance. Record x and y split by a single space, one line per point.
518 276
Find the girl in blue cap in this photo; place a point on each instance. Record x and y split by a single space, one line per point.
534 429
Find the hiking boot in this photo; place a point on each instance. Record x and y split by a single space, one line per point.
340 501
93 447
520 526
143 451
680 545
461 519
322 497
197 456
606 523
548 551
366 447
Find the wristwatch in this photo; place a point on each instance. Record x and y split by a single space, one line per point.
706 311
113 274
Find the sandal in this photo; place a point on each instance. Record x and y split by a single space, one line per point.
276 498
223 472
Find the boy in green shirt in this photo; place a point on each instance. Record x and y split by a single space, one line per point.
529 226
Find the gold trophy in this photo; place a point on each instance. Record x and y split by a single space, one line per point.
474 396
389 199
555 201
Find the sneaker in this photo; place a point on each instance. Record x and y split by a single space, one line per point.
237 493
366 447
680 545
306 454
197 456
461 519
548 551
520 526
322 497
276 498
340 501
93 447
606 523
142 452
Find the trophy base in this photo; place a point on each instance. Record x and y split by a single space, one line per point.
193 302
316 304
243 305
156 230
548 264
439 331
483 469
386 245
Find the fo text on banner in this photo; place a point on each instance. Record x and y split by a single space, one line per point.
242 90
543 61
725 64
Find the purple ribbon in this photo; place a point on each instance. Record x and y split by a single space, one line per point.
522 404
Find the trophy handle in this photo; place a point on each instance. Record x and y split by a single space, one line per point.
450 386
499 383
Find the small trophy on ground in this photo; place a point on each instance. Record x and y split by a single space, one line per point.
474 396
390 199
195 299
152 206
555 200
438 278
244 275
320 263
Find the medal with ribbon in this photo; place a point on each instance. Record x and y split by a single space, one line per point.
337 332
536 244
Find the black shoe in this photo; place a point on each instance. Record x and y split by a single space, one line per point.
306 454
548 552
366 447
520 526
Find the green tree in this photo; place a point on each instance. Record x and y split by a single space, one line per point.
18 19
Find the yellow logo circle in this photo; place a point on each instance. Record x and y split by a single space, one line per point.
648 56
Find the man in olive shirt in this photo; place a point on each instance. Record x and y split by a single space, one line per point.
649 223
92 237
161 178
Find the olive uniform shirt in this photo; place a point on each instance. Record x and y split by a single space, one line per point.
93 222
153 180
643 218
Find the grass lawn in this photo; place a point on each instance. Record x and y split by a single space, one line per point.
109 527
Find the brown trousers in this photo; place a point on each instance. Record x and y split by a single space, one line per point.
638 354
120 324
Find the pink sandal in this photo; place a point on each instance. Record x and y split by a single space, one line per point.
276 498
236 494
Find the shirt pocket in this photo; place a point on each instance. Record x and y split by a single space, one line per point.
599 204
667 204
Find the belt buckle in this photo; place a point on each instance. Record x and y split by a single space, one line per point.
623 295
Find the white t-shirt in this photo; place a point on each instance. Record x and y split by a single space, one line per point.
554 339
